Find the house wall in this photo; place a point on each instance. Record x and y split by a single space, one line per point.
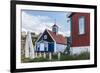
51 47
78 50
49 39
84 39
38 46
56 47
48 45
46 42
60 47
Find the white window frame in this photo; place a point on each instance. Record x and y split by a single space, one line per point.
81 25
45 36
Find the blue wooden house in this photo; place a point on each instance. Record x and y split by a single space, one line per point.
51 41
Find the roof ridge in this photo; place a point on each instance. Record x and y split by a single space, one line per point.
59 38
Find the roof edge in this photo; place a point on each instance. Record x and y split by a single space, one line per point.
71 14
50 35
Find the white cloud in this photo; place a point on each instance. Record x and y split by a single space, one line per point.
35 24
65 34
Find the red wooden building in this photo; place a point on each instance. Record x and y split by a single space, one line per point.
80 32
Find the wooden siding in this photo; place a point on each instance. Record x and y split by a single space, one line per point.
77 39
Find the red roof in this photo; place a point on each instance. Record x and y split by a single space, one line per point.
60 39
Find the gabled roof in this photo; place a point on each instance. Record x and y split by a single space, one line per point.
58 38
54 25
71 14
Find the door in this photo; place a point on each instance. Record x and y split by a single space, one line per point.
41 46
51 47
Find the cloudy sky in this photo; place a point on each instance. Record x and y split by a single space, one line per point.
38 21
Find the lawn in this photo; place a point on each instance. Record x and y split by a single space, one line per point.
64 57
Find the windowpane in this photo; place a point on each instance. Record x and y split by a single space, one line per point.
81 25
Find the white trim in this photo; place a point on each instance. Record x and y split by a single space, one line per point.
42 34
81 21
55 47
51 36
39 37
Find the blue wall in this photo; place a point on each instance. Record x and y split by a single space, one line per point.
50 48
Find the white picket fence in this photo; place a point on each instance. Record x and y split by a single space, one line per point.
47 55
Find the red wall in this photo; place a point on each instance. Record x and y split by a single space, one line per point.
84 39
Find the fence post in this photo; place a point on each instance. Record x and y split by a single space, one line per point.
59 54
50 56
40 55
44 54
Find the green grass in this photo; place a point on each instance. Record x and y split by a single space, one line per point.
40 59
64 57
82 56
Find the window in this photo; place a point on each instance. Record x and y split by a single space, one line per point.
81 25
54 29
45 36
41 46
